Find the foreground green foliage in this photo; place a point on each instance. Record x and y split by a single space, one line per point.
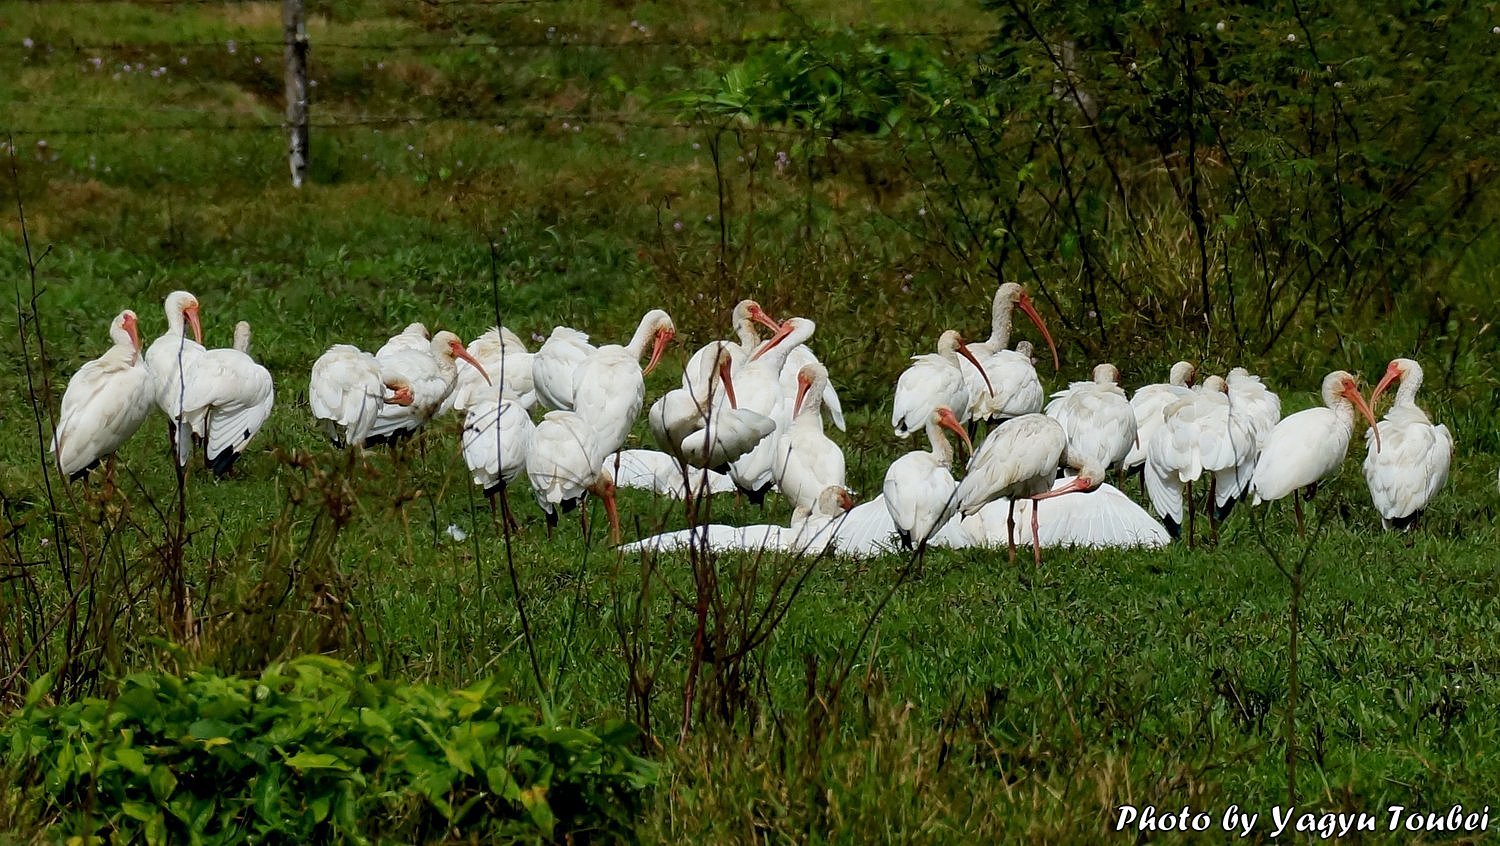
316 750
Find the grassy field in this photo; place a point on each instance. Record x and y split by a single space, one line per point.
988 701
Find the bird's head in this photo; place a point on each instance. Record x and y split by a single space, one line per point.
1342 386
749 310
184 306
445 344
948 420
1398 369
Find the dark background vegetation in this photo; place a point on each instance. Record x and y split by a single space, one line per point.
1291 187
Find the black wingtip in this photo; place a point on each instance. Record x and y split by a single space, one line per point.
223 462
1405 524
1221 512
1174 528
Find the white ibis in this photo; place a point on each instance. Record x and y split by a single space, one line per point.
553 366
346 392
1104 518
609 386
660 473
496 438
169 357
702 426
1252 406
414 338
919 488
933 381
1016 389
812 531
504 357
428 373
565 464
107 400
798 357
1202 434
226 398
1148 402
807 461
1413 464
1097 420
1307 448
1018 459
758 389
746 314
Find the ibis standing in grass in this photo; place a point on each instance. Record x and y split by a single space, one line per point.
919 488
1413 464
933 381
107 400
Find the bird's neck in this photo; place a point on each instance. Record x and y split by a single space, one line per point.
642 338
1000 320
749 337
1406 395
942 450
176 323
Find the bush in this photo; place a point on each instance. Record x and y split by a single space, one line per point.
317 750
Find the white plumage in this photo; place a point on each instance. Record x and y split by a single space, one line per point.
106 401
919 492
701 425
172 355
609 386
565 463
226 398
660 473
1097 420
553 366
1011 388
1104 518
746 314
345 393
807 461
1412 463
496 439
1202 435
758 389
1148 403
428 370
505 359
933 381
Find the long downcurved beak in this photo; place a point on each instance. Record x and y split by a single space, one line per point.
191 313
1030 310
460 352
135 336
1364 408
1077 484
662 339
802 387
728 385
759 316
1391 375
949 421
781 333
963 350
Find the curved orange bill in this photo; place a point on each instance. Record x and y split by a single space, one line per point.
662 339
1364 408
191 313
948 420
460 352
728 385
759 316
1030 310
1077 484
781 333
135 337
963 350
803 384
1391 375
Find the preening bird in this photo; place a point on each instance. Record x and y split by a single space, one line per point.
428 373
933 381
807 461
1307 448
496 439
106 401
1014 387
1097 420
553 366
609 386
919 490
1412 465
346 392
1148 403
746 314
414 338
702 426
758 389
226 398
565 464
170 356
1202 434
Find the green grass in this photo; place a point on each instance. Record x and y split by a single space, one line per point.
991 702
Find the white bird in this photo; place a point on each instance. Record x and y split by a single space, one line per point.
1097 420
565 464
414 338
169 357
1148 402
812 531
428 372
746 314
919 490
1019 459
346 392
106 401
807 461
702 425
1013 389
797 358
1201 434
933 381
758 389
553 366
496 438
1413 465
1251 399
504 357
1104 518
609 386
226 398
660 473
1308 447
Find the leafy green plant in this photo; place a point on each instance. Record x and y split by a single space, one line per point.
318 750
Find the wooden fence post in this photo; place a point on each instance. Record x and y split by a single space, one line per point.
294 28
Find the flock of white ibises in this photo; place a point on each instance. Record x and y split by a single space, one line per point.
749 417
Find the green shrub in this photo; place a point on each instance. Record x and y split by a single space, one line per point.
317 750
